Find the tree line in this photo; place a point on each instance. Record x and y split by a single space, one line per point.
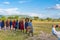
34 18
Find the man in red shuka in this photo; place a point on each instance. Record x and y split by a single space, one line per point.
22 25
14 24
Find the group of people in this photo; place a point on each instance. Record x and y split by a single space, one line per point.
17 24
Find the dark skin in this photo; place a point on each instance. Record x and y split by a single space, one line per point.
26 20
30 31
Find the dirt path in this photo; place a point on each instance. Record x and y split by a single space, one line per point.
42 36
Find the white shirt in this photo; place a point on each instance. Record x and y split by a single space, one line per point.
56 33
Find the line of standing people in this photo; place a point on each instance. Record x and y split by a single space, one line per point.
17 24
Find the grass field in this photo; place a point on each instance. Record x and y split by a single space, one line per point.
44 26
12 35
18 35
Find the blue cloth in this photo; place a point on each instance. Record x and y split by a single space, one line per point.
17 24
30 24
2 24
10 23
26 25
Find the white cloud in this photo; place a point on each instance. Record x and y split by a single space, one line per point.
36 14
56 7
24 1
6 2
15 11
9 11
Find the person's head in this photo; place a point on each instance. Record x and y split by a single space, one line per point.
55 26
27 20
30 20
16 20
2 20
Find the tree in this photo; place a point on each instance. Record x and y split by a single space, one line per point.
49 19
10 17
16 17
36 18
3 18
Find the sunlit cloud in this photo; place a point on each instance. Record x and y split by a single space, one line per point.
56 7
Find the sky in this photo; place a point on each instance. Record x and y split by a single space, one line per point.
40 8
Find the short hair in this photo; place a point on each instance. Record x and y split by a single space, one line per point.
27 19
56 26
30 20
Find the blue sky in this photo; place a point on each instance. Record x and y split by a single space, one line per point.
41 8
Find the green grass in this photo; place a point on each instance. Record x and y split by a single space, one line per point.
12 35
45 27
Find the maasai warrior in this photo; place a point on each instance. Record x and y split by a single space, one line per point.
26 23
19 25
14 24
2 24
10 24
22 25
7 24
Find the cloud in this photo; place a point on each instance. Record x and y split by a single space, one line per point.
56 7
6 2
24 1
15 11
40 15
9 11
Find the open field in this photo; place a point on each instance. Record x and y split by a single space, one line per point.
41 30
44 26
44 30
